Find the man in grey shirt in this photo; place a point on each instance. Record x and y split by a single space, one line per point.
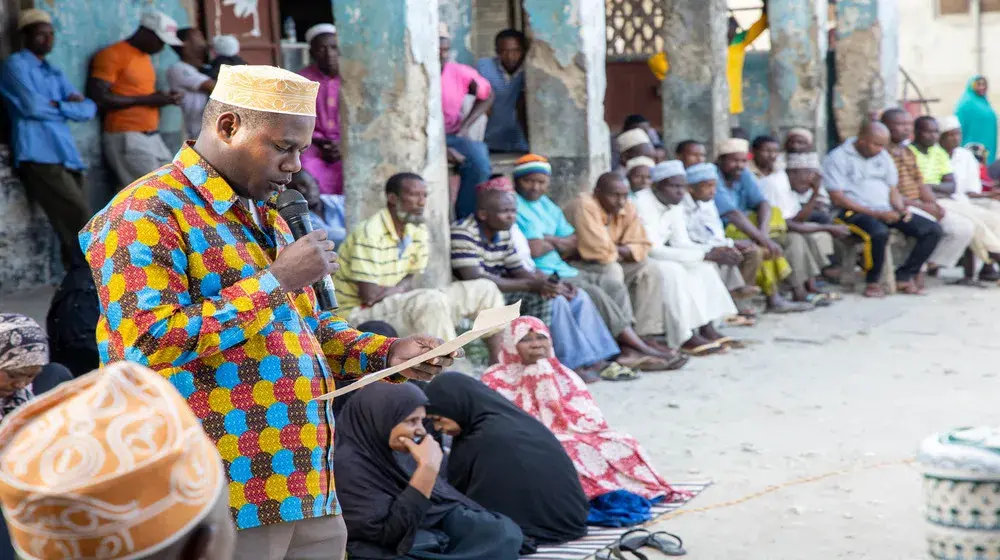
862 178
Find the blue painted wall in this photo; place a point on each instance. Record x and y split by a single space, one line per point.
457 14
756 95
28 248
548 24
84 27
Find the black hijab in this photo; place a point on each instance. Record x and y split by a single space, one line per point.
509 462
368 473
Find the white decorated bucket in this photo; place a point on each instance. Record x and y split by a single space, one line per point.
962 493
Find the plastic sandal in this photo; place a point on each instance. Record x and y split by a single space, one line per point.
618 372
665 546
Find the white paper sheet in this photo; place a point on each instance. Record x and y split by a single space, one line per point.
487 321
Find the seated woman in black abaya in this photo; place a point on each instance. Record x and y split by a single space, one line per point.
507 461
393 502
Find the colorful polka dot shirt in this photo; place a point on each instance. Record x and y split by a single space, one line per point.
183 280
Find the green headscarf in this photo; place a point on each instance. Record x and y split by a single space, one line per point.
979 121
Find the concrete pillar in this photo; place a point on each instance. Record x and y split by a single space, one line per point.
565 91
390 111
695 91
798 67
867 60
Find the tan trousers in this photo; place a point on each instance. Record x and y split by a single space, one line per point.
134 154
736 277
319 538
625 294
803 253
431 311
986 235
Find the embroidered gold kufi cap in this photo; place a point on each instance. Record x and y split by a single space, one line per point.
111 465
266 88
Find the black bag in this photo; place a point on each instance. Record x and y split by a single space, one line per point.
72 323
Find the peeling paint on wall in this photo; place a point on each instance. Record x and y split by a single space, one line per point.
457 15
797 67
695 91
867 60
390 108
566 82
82 28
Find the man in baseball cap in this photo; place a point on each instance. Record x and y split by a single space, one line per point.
123 84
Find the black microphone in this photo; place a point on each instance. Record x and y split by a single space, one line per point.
294 210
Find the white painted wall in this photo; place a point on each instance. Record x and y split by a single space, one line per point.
938 53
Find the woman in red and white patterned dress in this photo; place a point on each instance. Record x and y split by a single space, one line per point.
532 378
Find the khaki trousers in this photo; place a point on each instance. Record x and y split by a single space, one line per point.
432 311
803 253
736 277
134 154
625 294
319 538
986 235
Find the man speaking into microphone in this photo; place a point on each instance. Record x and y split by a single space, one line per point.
200 279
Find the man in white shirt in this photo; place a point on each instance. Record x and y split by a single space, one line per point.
807 245
969 200
693 291
736 260
185 77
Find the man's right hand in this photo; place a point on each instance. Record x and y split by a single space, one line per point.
888 216
567 290
544 288
427 453
772 249
163 98
305 262
726 256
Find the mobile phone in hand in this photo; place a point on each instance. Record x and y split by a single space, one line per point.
418 439
554 279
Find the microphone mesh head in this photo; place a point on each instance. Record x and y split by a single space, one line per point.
291 203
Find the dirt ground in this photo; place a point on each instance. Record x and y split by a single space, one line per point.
828 408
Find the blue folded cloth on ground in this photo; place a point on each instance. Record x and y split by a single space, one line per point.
620 508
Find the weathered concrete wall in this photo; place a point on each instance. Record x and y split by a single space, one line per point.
565 84
938 52
457 14
695 92
391 111
28 251
798 67
867 60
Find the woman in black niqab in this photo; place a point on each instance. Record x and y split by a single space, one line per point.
508 461
386 516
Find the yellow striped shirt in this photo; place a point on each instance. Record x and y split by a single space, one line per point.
374 253
934 165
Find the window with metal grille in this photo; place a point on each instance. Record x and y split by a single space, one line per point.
634 28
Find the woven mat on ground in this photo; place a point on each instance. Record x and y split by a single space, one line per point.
600 538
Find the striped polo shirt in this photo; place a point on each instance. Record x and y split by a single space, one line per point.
910 177
469 249
374 253
934 165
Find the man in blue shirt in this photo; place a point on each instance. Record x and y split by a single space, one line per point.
40 102
505 130
747 215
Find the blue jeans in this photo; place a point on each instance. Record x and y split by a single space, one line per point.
579 335
475 171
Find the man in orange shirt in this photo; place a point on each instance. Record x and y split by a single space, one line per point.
123 84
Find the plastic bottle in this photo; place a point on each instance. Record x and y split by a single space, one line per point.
290 34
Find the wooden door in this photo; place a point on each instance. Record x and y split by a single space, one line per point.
633 34
253 22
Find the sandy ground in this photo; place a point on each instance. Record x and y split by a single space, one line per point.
840 390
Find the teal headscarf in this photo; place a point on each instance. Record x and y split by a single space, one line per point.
979 121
